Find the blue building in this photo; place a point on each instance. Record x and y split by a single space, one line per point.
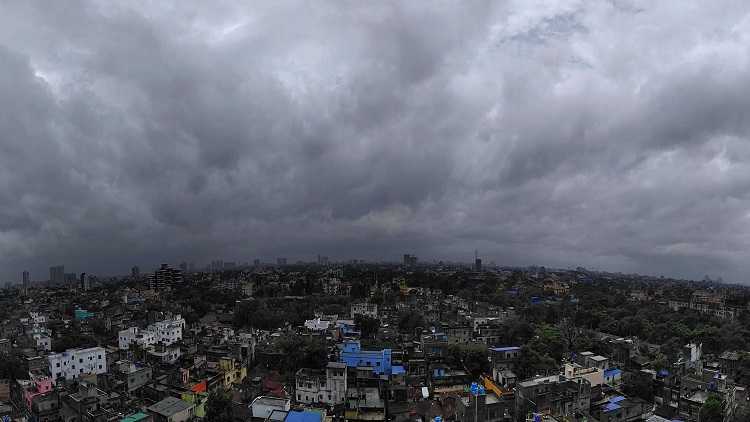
353 356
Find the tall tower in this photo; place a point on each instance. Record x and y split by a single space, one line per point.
26 283
57 274
477 261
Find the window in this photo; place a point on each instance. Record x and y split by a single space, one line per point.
57 365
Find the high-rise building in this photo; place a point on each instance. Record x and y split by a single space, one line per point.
216 265
57 274
135 272
410 260
280 262
71 281
26 283
183 267
85 282
256 262
477 262
164 277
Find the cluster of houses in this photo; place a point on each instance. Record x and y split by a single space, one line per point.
141 357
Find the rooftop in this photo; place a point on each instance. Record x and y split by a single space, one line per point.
303 416
170 406
540 380
505 349
270 401
135 417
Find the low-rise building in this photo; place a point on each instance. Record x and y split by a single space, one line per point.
172 409
74 363
353 355
364 308
554 395
327 387
269 408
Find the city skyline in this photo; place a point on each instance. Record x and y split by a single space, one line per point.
609 135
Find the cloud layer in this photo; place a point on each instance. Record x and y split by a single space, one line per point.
612 135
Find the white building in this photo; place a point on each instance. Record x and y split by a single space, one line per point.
43 342
166 354
166 332
135 335
317 324
270 408
318 387
364 308
73 363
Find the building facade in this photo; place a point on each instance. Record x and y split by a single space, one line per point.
74 363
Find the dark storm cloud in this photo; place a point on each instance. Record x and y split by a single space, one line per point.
605 134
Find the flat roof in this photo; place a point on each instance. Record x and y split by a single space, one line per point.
505 349
270 400
135 417
598 358
540 380
303 416
170 406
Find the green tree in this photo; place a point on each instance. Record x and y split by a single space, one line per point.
368 326
218 407
639 386
712 410
411 320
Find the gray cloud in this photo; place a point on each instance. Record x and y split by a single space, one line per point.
607 134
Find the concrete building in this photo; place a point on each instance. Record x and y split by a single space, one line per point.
364 308
165 277
327 387
353 355
26 283
486 407
270 408
410 260
172 409
594 376
74 363
57 274
621 409
167 332
553 395
135 335
163 353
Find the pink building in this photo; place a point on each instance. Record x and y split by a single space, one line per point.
37 386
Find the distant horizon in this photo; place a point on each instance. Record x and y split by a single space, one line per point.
292 262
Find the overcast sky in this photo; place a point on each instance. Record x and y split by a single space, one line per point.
607 134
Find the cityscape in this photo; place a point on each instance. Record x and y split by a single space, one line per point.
359 341
374 211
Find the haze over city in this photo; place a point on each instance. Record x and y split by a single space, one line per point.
609 135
